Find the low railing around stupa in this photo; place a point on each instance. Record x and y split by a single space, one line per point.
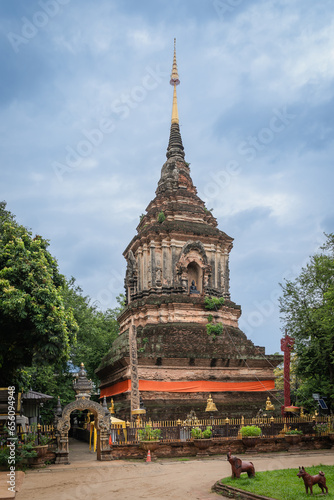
222 428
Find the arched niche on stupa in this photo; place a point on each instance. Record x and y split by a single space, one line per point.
195 277
192 267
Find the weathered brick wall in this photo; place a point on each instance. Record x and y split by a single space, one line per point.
191 340
218 447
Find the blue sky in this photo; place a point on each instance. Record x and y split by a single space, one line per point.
85 106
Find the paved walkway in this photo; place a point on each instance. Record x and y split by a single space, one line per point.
79 451
166 479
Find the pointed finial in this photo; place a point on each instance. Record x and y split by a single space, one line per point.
174 77
175 146
174 80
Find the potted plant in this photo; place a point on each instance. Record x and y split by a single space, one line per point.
250 435
39 444
293 436
202 439
321 428
331 434
149 438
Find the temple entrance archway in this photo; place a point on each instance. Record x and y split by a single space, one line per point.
83 389
63 424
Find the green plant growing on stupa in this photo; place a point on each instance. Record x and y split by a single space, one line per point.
213 303
214 329
161 217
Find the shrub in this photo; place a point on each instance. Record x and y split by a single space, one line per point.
149 434
207 433
197 433
213 303
293 432
321 427
161 217
214 330
250 430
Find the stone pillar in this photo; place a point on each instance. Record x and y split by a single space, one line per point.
153 264
287 343
226 276
145 267
135 400
140 269
165 276
219 261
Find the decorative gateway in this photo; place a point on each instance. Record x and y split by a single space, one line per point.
176 346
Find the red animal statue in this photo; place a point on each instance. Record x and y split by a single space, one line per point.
309 480
239 466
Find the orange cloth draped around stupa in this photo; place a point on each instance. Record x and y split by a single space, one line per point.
190 386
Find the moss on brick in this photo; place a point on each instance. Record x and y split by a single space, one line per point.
187 340
118 350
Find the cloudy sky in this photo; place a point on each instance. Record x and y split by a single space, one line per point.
85 106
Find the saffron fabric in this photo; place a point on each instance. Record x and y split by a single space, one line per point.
190 386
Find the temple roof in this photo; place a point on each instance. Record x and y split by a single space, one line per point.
33 395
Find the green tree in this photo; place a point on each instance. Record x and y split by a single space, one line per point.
96 332
97 329
307 309
34 323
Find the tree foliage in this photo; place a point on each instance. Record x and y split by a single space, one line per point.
307 309
97 329
96 332
33 320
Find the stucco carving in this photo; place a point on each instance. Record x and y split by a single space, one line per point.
193 252
131 276
198 247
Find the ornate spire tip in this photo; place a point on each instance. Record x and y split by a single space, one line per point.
174 77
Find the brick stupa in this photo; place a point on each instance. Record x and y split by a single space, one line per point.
164 357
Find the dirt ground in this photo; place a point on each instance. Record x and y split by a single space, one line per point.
87 479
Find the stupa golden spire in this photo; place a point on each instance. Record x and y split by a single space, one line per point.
174 80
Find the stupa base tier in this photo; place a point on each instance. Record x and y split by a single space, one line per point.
174 406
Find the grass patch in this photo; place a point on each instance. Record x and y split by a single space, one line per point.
283 484
183 459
